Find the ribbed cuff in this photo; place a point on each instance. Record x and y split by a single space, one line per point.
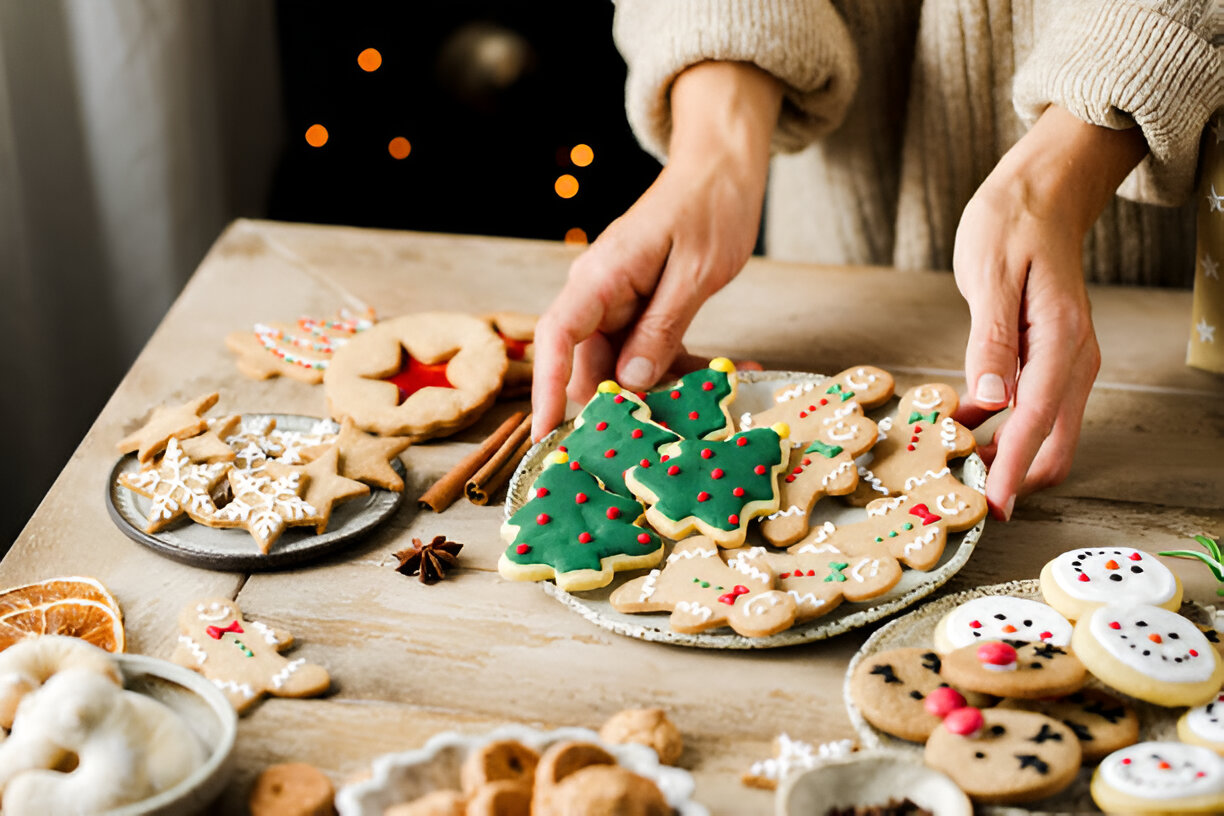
1119 64
804 44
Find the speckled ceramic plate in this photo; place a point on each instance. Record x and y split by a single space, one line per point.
405 776
755 393
235 549
917 628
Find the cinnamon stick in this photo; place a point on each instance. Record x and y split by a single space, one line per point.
500 465
450 487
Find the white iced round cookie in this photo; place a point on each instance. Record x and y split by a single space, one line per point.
1204 725
1079 581
1001 617
1150 653
1160 777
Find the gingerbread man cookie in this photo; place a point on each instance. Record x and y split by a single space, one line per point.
1160 778
1025 670
704 591
916 444
612 433
420 375
912 528
242 657
819 582
808 408
1079 581
1102 722
695 407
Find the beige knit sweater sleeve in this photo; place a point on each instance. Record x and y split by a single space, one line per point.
804 43
1121 63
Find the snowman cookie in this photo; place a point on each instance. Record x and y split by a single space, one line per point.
890 690
1150 653
1160 778
1011 756
242 657
1000 617
1101 721
1027 670
1079 581
1204 725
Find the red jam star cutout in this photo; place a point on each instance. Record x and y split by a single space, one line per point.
415 375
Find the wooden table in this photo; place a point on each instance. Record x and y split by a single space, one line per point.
475 651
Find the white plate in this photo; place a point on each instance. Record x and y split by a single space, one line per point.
917 628
408 775
870 778
755 394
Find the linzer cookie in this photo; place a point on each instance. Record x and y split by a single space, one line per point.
574 531
300 350
1079 581
703 591
808 408
420 375
517 331
1150 653
614 432
715 487
695 407
1160 778
1001 617
916 444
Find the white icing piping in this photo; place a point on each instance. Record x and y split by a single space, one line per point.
950 504
243 689
918 481
793 510
266 632
648 586
197 651
702 613
947 433
281 677
872 480
926 403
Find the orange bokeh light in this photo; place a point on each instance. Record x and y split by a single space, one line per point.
566 186
575 235
399 147
316 135
582 155
369 59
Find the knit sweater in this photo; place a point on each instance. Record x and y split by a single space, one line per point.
894 111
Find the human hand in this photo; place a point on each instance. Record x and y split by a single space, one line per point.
630 297
1018 264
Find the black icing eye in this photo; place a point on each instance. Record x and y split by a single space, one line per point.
1173 635
1113 576
1136 570
998 730
1028 623
1141 623
917 695
978 755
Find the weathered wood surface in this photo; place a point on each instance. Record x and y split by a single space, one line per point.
475 651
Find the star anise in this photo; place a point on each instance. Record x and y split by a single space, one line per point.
429 562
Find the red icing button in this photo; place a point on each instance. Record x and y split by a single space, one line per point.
1115 625
803 414
636 433
716 473
645 463
585 538
824 401
1193 653
574 465
609 453
975 624
413 375
909 447
739 491
707 386
917 429
541 492
1126 761
996 653
759 470
522 549
733 519
543 518
703 496
643 538
613 512
664 458
693 415
580 498
1135 557
789 479
742 441
963 721
706 453
673 470
913 439
1083 577
601 426
806 461
618 399
942 701
675 395
811 407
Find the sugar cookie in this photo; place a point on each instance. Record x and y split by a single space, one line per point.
1027 670
890 690
1079 581
1160 778
1000 617
695 407
1204 725
612 433
177 487
177 422
1102 722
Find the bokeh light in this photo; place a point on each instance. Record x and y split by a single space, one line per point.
399 147
575 235
566 186
316 135
369 59
582 155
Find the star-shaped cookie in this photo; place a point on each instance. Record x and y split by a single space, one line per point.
264 506
325 487
176 486
211 446
367 458
179 422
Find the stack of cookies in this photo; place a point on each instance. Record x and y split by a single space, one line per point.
672 464
1014 695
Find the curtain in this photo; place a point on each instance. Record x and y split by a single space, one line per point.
131 132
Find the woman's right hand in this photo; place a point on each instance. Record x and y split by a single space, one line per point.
632 294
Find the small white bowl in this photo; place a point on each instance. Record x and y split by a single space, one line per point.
870 778
405 776
210 716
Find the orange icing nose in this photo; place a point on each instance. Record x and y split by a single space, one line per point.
1155 638
1111 564
1009 628
1164 766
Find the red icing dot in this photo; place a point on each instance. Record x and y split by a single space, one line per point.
824 401
707 386
784 575
618 399
645 463
522 549
636 433
662 423
942 701
664 458
703 496
1193 653
759 470
963 721
1046 635
790 478
909 447
580 498
543 518
613 512
673 470
1115 625
811 407
609 453
742 441
541 492
733 519
584 538
797 471
716 473
811 573
675 395
563 449
693 415
1126 761
601 426
1200 774
806 461
706 453
643 538
917 429
803 414
739 491
975 624
1083 577
1135 557
913 439
996 653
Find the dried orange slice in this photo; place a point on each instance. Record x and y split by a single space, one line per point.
76 607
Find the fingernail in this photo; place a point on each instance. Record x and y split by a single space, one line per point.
1008 508
990 389
637 373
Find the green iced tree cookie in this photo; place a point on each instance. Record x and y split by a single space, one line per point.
696 406
612 434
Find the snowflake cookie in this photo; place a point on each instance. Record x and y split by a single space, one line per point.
177 487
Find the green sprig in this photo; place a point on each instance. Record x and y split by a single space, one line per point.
1213 558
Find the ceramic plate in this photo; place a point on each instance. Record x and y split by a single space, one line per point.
868 779
917 628
402 777
755 393
235 549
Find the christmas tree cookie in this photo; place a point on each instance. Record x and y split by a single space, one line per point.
612 434
574 531
715 487
917 444
809 408
702 590
696 406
